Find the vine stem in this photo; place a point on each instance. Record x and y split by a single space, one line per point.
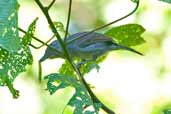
44 43
103 26
51 4
68 19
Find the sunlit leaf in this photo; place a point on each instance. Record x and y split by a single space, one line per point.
89 66
9 37
31 30
13 63
67 69
128 35
163 108
86 68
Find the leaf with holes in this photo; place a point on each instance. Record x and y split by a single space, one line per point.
13 63
9 37
59 81
31 30
128 35
80 100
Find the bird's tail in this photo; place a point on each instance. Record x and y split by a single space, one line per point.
117 46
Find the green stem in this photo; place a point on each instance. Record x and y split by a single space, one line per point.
45 11
20 29
103 26
40 71
51 4
68 19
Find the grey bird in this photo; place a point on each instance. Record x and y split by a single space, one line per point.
89 47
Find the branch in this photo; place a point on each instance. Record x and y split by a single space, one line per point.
68 19
103 26
51 4
20 29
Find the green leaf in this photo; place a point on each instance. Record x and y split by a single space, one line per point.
86 68
128 35
31 30
167 111
66 69
80 100
167 1
14 92
9 36
162 108
59 81
60 27
13 63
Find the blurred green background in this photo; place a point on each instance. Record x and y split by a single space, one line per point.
127 83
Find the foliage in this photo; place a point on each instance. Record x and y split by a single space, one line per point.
13 63
162 108
67 76
66 69
9 38
15 55
80 100
167 1
128 35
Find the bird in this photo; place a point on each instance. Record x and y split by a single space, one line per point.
84 45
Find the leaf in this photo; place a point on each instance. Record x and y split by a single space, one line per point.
59 26
86 68
31 30
167 1
167 111
59 81
162 108
66 69
80 100
9 36
128 35
13 63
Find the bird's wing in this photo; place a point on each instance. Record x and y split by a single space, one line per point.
88 39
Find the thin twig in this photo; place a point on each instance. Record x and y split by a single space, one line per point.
45 43
20 29
101 27
51 4
68 19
